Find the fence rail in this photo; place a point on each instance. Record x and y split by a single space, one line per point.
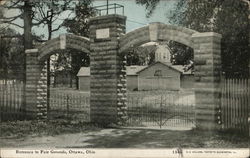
11 100
235 104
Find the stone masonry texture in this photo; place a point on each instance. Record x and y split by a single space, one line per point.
107 69
107 45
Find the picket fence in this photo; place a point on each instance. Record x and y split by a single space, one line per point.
11 100
235 102
234 112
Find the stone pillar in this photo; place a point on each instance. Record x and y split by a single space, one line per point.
36 104
108 80
207 57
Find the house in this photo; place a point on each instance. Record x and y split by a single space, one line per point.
159 75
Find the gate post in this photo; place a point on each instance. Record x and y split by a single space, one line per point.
108 75
36 86
207 58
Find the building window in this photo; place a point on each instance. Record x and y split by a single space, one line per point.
158 73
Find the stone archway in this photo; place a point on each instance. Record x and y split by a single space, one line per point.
107 43
207 60
36 72
156 32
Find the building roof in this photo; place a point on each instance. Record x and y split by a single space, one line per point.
178 68
84 71
135 69
181 68
131 70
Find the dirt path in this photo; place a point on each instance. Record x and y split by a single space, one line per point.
122 138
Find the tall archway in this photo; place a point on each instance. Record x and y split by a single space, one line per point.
36 71
108 76
207 60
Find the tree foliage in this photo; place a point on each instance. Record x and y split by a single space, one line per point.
181 54
149 4
11 55
79 24
142 55
42 13
227 17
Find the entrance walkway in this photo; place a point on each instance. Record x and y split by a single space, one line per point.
127 138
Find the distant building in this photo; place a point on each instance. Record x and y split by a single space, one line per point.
84 79
160 75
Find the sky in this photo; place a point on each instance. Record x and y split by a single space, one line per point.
135 13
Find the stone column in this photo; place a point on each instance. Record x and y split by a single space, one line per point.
207 57
108 80
35 94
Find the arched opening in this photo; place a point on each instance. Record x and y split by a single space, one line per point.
108 74
60 98
176 40
159 77
161 106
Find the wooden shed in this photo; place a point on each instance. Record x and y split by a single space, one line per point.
153 77
159 76
84 79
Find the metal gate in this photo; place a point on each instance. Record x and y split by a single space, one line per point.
164 110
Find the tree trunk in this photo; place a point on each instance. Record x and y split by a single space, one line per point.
27 25
27 19
48 68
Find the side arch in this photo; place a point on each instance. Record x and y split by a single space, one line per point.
156 32
63 42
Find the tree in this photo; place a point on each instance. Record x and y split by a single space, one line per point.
50 11
38 13
79 25
149 4
181 54
227 17
142 55
11 53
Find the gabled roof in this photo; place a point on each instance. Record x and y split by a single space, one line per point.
84 71
131 70
135 69
165 64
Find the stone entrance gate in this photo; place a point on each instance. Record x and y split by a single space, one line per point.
107 45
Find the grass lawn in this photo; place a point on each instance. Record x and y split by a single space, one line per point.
63 134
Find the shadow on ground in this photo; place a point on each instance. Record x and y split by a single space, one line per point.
129 138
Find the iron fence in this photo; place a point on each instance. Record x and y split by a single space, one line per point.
72 106
159 109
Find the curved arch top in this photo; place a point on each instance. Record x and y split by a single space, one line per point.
156 32
66 41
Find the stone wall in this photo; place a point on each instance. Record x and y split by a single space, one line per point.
36 86
66 41
107 69
207 57
156 32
